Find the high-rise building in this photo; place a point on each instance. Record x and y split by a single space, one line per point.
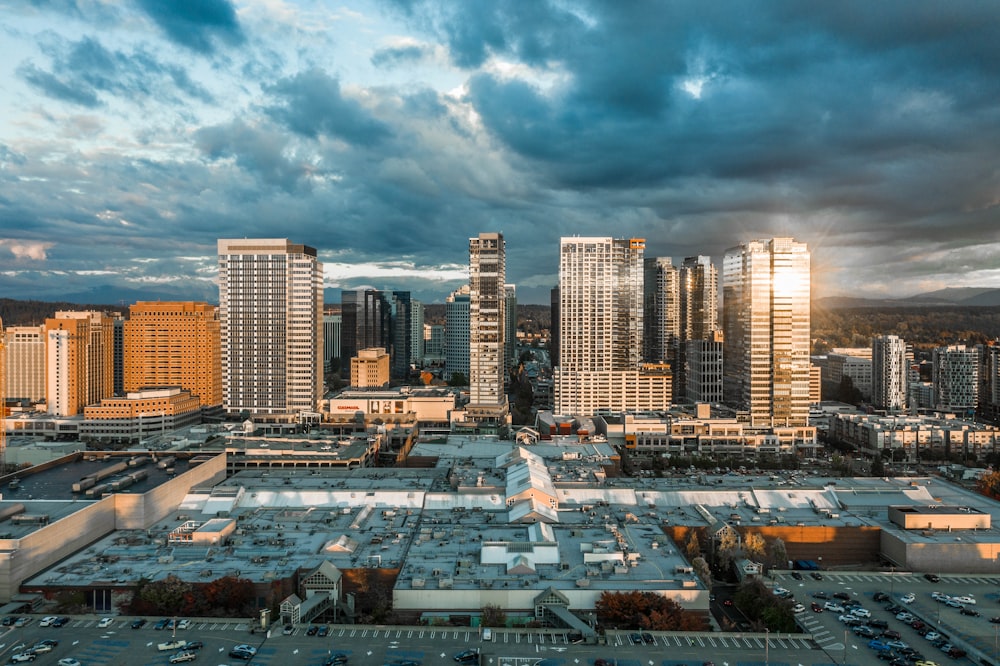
699 298
510 325
989 380
661 311
24 363
704 369
456 333
487 325
601 330
401 353
367 323
955 375
554 317
79 361
118 342
174 344
417 331
332 324
766 300
891 360
271 314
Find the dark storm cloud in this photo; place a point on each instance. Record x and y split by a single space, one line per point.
399 55
196 24
81 71
311 104
255 150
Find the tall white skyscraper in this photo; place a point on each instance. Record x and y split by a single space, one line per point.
890 369
601 330
487 323
271 314
766 300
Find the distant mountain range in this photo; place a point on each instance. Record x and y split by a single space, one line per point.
952 296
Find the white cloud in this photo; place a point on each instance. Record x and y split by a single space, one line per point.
35 250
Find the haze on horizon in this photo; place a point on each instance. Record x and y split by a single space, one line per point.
385 133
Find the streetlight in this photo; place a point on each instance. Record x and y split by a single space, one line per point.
767 644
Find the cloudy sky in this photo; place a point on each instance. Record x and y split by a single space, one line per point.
385 133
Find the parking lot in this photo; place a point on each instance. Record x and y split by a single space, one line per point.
839 641
120 645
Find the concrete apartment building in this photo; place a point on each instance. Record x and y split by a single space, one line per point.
456 333
24 363
955 375
600 330
488 323
174 344
891 361
271 314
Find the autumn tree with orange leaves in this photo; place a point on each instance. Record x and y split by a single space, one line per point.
645 610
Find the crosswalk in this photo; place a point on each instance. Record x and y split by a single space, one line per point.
821 636
749 641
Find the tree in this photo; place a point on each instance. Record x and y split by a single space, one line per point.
779 556
492 616
458 379
703 571
692 547
989 484
878 467
645 610
753 546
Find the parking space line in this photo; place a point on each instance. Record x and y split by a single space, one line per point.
700 642
711 642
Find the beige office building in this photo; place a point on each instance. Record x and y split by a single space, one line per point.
174 344
24 363
370 368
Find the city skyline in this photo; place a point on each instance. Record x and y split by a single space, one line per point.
385 134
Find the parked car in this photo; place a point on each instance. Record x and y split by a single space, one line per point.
956 653
967 600
181 657
880 596
876 644
849 620
336 659
878 624
184 624
971 612
323 630
781 592
105 622
861 612
21 657
816 575
833 607
820 595
816 608
932 636
908 598
841 595
891 634
9 620
60 622
47 620
171 645
864 631
995 619
953 603
799 608
68 661
161 624
796 575
470 655
194 645
934 578
138 623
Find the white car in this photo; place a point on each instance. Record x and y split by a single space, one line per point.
42 648
69 661
47 620
908 598
22 656
781 592
861 612
798 608
184 624
939 596
106 622
967 600
932 635
833 608
905 617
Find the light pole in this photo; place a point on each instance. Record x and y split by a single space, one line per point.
892 579
767 644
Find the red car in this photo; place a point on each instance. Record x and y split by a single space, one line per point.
816 607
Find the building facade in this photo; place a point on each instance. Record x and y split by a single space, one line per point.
24 363
487 328
704 369
456 333
332 324
955 374
79 361
174 344
601 315
367 323
891 359
370 368
766 301
271 315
